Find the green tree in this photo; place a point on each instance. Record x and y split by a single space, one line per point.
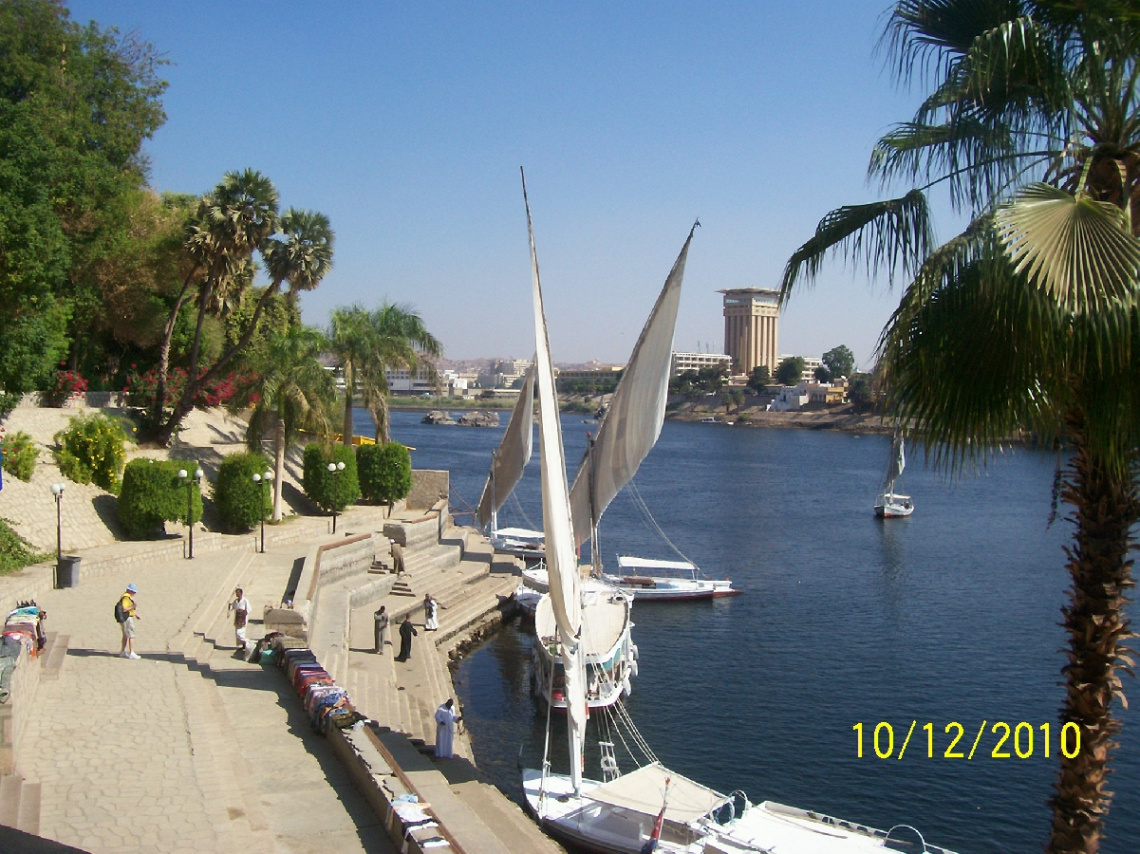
330 490
76 104
293 392
759 378
366 344
790 370
839 361
1033 126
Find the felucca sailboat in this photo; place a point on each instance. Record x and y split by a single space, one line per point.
890 504
648 808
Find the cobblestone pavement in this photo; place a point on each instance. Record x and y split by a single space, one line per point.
187 748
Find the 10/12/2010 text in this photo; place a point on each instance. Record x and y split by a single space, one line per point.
1019 740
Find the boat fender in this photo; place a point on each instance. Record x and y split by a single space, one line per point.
633 651
626 688
633 667
609 765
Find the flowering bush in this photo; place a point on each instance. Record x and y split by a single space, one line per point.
20 455
140 388
91 450
67 385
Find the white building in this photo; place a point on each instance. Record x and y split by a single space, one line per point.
696 361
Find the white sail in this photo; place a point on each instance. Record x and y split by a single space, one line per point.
897 462
633 420
561 563
512 456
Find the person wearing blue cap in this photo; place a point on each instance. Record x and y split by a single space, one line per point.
127 621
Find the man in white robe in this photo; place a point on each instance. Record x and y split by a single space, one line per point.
445 719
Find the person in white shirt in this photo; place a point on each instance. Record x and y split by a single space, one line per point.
445 718
240 607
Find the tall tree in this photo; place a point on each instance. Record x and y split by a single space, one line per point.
76 104
1033 126
366 344
293 392
839 361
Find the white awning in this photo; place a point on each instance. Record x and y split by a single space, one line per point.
643 791
626 562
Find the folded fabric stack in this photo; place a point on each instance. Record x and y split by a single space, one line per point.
326 703
23 625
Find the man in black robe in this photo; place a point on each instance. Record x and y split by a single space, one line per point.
407 631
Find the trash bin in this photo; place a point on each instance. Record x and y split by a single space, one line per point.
67 571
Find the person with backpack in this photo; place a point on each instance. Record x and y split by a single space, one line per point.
126 614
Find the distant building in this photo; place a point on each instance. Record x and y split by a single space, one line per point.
751 327
696 361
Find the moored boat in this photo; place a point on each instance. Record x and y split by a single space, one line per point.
891 504
652 580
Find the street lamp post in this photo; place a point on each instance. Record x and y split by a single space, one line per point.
57 491
185 476
263 480
335 469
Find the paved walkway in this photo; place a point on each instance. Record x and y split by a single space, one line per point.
188 748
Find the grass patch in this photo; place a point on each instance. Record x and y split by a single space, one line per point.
15 551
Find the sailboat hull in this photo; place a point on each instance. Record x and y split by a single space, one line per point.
892 506
594 820
666 581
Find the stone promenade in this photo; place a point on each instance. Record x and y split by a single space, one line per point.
191 748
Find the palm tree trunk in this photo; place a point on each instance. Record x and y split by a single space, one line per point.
346 433
278 465
380 416
164 351
1105 506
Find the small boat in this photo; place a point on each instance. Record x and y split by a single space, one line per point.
653 580
891 504
520 542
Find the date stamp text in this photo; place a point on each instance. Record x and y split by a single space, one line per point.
996 740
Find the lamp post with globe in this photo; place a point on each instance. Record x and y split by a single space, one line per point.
335 469
57 491
185 477
264 480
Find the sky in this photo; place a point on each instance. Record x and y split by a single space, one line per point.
406 123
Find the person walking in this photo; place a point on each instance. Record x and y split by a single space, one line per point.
431 612
407 632
445 720
240 607
397 557
130 616
381 628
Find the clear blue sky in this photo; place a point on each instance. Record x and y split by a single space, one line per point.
406 123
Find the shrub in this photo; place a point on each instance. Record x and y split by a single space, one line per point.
385 472
15 551
66 385
91 450
237 496
20 455
327 490
153 493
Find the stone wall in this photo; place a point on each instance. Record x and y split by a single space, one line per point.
428 487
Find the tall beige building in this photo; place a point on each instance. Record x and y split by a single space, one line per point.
751 327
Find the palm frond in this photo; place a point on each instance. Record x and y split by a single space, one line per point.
892 235
1076 249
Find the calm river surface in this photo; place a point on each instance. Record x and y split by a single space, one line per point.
950 615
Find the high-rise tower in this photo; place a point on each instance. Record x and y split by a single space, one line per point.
751 327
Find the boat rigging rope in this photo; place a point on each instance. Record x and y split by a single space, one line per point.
623 721
640 504
516 506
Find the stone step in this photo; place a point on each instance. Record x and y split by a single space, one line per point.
19 803
506 819
54 654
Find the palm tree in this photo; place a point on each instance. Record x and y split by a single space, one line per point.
294 392
1033 126
301 257
404 342
366 345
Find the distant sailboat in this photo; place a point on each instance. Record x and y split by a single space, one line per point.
891 504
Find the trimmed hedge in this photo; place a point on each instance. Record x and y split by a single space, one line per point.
153 494
237 496
327 490
385 472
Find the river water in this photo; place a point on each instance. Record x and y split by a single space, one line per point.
949 616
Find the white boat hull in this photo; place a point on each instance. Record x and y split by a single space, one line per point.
588 820
664 581
890 506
